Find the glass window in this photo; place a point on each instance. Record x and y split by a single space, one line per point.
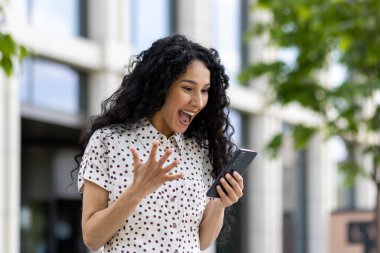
53 86
50 214
150 20
227 34
59 17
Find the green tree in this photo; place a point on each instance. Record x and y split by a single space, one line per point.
322 33
10 51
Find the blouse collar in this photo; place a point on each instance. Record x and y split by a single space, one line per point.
146 133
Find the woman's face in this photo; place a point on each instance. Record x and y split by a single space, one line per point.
187 96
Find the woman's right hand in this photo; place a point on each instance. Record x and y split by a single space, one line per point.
151 174
100 221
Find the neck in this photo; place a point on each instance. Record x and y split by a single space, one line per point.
161 128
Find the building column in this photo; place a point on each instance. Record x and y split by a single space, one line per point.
194 20
365 189
106 28
3 217
10 147
101 85
319 200
264 189
9 165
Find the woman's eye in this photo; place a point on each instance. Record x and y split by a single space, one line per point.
205 91
187 88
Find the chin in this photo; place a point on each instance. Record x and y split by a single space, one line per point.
177 127
180 130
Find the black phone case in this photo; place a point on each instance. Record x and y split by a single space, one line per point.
239 162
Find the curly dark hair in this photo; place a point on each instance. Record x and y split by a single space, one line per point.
144 89
143 92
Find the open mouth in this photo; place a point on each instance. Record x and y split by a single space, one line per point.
185 117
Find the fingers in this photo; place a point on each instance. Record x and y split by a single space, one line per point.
136 158
171 166
233 186
175 176
221 193
230 191
236 187
165 157
153 150
153 165
236 181
169 176
153 154
239 179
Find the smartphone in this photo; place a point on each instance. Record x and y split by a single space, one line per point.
239 162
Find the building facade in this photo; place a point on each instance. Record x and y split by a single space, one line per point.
79 53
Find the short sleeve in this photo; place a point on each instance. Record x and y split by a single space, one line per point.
94 164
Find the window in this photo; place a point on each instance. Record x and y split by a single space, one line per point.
50 214
227 34
59 17
52 86
150 20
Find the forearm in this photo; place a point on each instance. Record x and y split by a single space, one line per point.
102 225
211 224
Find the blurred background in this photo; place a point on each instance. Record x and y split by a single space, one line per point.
78 52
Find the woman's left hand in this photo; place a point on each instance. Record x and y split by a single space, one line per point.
233 185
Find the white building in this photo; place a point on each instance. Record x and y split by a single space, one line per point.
79 52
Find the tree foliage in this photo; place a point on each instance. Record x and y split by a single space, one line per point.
321 33
10 50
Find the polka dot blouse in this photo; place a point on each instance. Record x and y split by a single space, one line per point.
168 219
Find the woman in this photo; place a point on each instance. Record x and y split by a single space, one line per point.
151 155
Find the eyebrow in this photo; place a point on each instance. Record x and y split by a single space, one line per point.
193 82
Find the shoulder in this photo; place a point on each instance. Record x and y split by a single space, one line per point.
195 148
192 142
200 152
109 133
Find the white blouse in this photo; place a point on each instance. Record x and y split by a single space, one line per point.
168 219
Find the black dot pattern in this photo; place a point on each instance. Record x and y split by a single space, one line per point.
168 219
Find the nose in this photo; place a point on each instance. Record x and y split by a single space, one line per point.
197 101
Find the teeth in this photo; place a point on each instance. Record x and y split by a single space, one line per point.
189 113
